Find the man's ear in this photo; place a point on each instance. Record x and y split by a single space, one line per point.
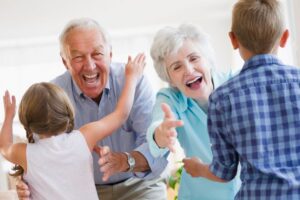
233 39
64 61
110 55
284 38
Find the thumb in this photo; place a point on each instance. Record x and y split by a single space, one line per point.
129 59
167 110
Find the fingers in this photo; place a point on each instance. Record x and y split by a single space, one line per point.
105 165
104 168
129 59
104 150
101 151
13 98
96 149
106 175
171 146
140 58
103 160
186 160
7 100
22 190
169 124
167 110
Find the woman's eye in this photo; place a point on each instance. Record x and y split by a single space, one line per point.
177 67
194 58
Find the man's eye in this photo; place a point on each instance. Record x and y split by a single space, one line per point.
77 58
98 54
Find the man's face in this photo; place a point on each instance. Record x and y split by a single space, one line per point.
88 59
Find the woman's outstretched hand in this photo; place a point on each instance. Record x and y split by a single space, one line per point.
165 134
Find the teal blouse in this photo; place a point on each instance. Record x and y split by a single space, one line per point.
193 138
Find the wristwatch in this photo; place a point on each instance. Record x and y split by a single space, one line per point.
130 161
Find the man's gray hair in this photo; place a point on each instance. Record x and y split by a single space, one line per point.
168 41
82 23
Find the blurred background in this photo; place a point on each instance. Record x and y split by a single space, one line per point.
29 30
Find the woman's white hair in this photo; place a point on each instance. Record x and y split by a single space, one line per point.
82 23
168 41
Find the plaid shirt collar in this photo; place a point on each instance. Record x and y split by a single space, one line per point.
260 60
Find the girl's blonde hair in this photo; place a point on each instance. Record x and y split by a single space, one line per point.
45 109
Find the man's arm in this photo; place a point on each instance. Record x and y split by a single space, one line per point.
146 166
114 162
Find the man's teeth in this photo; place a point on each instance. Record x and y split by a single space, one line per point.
90 76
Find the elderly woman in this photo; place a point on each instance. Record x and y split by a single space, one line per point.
183 58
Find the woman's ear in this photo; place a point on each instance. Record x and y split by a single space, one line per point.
284 38
234 40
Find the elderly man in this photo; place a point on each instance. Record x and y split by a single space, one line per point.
94 83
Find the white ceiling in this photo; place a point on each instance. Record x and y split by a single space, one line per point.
37 18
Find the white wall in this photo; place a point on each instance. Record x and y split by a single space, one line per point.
29 49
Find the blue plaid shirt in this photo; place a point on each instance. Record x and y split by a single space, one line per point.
254 119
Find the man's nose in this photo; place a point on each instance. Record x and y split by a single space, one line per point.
89 63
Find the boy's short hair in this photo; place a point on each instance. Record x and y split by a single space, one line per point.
258 24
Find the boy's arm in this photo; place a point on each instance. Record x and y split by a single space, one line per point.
98 130
15 153
196 168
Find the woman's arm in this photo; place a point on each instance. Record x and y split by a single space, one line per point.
98 130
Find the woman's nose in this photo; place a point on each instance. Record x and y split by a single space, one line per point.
189 68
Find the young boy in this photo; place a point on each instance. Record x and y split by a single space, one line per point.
254 118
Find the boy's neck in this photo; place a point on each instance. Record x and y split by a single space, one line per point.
246 54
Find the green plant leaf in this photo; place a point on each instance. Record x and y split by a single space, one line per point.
172 182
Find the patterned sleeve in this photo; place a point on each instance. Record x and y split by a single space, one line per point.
225 159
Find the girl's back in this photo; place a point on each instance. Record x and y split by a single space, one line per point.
60 167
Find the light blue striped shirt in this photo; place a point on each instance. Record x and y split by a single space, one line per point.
132 134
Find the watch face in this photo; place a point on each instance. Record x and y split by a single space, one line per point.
131 162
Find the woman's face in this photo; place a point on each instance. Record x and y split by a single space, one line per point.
189 72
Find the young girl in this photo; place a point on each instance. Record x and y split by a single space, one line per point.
59 165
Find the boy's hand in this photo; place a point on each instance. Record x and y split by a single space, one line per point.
193 166
135 67
9 105
165 134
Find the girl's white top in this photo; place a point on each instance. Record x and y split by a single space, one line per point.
60 167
